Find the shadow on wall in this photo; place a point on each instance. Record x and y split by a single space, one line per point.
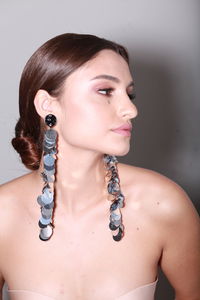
154 128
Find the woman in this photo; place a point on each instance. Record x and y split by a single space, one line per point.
76 106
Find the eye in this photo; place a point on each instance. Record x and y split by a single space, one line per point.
132 96
106 92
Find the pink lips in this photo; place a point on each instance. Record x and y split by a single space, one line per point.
124 129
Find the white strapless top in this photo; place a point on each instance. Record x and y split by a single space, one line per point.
144 292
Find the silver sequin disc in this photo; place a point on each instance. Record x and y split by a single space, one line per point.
46 233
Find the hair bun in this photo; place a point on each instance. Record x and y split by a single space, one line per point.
28 151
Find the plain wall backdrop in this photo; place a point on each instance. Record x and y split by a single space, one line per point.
164 45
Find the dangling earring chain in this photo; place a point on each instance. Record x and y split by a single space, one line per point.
113 188
46 199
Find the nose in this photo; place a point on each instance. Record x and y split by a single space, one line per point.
128 110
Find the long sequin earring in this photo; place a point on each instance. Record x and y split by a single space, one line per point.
113 187
46 199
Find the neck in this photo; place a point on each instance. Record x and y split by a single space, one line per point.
80 182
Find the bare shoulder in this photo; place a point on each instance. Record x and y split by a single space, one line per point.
168 211
156 190
12 195
10 190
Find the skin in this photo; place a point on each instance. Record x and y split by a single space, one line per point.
81 261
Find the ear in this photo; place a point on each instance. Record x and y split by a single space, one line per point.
44 103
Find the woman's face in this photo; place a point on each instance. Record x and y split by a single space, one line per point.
96 100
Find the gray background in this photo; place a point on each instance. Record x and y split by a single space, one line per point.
163 41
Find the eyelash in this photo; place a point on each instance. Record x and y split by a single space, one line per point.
110 90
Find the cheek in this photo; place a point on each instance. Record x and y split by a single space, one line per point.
81 121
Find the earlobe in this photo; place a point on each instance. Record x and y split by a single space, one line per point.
43 103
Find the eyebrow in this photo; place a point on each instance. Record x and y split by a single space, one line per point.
112 78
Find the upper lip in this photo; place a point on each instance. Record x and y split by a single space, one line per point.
124 127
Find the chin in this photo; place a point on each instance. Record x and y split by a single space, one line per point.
118 152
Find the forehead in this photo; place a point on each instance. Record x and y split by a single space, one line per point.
107 59
105 62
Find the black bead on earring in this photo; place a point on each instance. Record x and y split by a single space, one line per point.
50 120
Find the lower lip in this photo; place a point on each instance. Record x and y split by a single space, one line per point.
123 132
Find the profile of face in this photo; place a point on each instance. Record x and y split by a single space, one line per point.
96 99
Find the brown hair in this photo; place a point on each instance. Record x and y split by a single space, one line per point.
47 69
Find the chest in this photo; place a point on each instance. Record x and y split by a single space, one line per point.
85 266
